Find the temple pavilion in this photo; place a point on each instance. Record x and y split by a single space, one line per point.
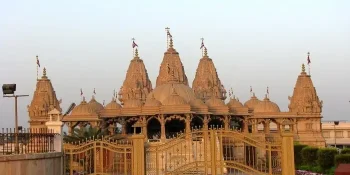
173 106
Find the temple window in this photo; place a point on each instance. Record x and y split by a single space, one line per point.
339 134
326 134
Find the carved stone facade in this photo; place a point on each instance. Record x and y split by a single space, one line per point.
136 84
173 106
206 82
171 68
44 100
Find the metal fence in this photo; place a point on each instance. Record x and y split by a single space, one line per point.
26 141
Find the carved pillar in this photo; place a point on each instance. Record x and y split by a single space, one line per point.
144 127
254 126
162 128
138 160
188 124
267 126
245 125
288 166
205 123
226 122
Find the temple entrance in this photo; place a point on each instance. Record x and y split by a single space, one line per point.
173 127
215 123
153 129
196 122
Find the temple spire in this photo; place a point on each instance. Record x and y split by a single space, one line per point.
44 73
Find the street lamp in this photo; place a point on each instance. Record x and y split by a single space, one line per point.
8 90
336 123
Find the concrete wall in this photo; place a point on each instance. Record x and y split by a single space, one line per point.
32 164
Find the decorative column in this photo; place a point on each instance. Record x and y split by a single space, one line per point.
188 123
205 123
267 126
245 125
226 122
288 165
144 127
162 128
138 158
123 123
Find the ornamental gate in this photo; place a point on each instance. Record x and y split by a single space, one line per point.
98 157
215 152
212 152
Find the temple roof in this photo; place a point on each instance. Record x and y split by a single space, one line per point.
82 112
44 99
171 68
305 99
266 106
206 82
252 102
152 101
162 92
113 105
174 99
94 105
234 103
136 83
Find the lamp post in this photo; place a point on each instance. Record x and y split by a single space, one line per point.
335 135
8 90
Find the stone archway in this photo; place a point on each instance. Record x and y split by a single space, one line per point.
153 128
174 126
196 122
216 122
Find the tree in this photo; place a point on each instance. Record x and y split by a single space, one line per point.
83 133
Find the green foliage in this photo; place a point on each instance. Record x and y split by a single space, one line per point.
309 155
83 133
345 151
325 157
297 154
342 158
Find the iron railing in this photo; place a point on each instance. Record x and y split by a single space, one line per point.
38 140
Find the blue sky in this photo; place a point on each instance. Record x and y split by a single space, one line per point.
87 44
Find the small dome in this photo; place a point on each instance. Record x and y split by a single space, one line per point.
214 102
252 102
82 109
165 90
266 106
113 105
132 103
174 99
94 105
234 103
197 103
152 101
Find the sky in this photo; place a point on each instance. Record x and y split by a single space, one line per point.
87 44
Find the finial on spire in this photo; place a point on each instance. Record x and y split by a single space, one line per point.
205 52
136 53
167 29
303 68
44 72
171 42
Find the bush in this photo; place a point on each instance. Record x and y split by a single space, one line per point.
309 155
342 158
297 154
345 151
325 157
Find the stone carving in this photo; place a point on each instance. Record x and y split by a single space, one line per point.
137 84
44 100
206 82
305 99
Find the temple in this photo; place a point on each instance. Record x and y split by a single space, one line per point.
174 107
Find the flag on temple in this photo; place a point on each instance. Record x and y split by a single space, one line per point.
134 44
267 90
308 58
94 91
37 61
251 89
81 92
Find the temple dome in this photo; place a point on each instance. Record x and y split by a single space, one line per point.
174 99
161 92
132 103
82 109
252 102
214 102
113 105
266 106
197 103
234 103
152 101
95 105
